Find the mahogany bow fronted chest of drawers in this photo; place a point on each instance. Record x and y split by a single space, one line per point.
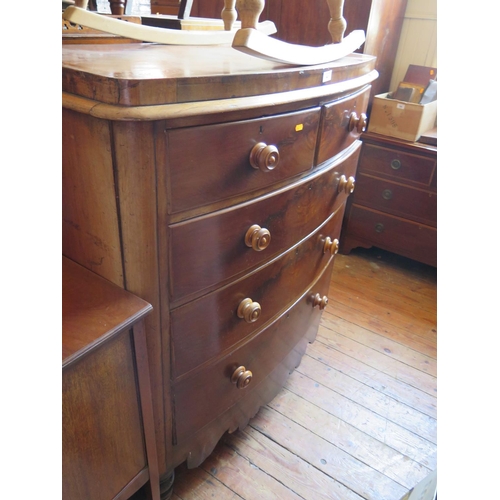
395 204
213 185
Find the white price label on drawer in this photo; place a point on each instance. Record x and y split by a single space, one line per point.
400 106
327 76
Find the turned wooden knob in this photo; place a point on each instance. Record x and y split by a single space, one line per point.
257 238
331 246
241 377
264 157
249 12
319 301
249 310
358 122
346 185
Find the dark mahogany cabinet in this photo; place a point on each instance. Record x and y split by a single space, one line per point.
394 206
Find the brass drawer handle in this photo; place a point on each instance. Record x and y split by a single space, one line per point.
320 301
387 194
346 185
358 123
249 310
396 164
241 377
257 238
331 246
379 228
264 157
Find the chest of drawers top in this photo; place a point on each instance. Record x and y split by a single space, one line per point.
150 74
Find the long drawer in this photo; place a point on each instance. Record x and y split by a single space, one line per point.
208 392
408 238
340 125
213 162
397 165
210 249
210 325
404 201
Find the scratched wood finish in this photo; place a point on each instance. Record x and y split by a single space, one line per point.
357 419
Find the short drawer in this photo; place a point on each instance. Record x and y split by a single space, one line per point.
216 162
341 124
405 167
209 392
404 237
204 328
208 250
417 204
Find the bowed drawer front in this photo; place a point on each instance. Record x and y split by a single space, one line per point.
343 121
236 240
206 327
238 157
198 403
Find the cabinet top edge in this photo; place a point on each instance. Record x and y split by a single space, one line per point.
149 74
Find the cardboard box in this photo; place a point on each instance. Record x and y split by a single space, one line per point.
404 120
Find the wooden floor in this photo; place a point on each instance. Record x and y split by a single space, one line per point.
357 419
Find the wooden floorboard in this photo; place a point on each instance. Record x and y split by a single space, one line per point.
358 418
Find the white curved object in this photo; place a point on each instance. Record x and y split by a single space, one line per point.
254 43
155 35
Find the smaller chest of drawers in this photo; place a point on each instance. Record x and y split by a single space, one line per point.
394 206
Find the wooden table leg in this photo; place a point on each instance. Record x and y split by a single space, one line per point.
337 24
229 14
117 7
249 12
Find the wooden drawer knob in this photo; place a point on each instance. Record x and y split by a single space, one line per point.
346 185
249 310
387 194
319 301
396 164
241 377
357 122
264 157
331 246
257 238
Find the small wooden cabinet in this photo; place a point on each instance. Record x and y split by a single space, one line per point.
394 206
109 448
